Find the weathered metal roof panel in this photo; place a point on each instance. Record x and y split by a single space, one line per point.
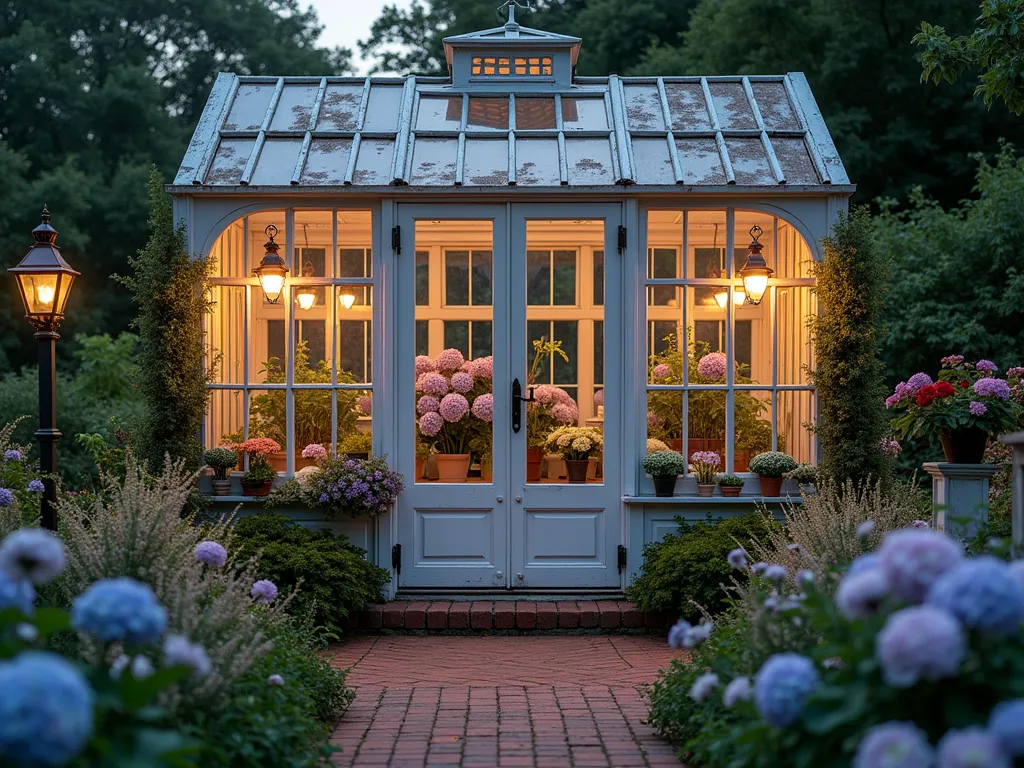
302 132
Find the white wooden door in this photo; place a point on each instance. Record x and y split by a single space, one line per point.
492 279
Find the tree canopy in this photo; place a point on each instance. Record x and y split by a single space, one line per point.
96 93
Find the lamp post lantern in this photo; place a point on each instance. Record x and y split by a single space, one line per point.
44 281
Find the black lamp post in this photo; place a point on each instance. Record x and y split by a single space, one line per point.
44 280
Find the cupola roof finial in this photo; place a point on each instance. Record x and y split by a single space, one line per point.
512 5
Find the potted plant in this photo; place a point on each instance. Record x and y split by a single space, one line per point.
343 486
771 467
664 467
806 476
356 445
730 485
259 477
576 445
455 408
551 407
220 460
962 408
704 464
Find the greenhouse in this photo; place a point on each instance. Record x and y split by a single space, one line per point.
558 251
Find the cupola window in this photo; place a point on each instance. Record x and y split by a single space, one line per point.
520 66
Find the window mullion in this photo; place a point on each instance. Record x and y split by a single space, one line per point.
289 308
730 355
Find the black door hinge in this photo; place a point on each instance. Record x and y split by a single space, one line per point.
396 240
622 239
396 558
622 558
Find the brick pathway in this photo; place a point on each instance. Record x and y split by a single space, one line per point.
497 702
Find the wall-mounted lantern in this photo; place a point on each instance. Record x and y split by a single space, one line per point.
755 272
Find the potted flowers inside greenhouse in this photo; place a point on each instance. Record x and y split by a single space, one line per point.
664 467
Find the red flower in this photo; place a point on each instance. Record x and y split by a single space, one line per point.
944 389
965 384
925 395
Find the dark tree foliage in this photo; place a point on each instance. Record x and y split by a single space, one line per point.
169 288
849 373
93 95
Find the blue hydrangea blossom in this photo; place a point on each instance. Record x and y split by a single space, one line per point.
983 595
912 559
782 687
34 554
920 643
971 748
16 593
894 745
119 609
1006 724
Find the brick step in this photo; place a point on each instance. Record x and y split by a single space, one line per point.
508 616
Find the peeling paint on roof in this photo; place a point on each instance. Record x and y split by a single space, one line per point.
758 132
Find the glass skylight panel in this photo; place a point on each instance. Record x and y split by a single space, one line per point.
732 107
643 108
249 107
537 163
340 108
796 164
326 162
439 113
486 163
580 114
383 108
433 162
276 162
488 113
589 161
229 162
652 163
774 106
687 107
294 107
536 114
373 166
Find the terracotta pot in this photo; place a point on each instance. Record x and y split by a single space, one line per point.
770 486
964 446
534 458
730 490
665 485
576 469
420 467
302 463
279 461
741 461
221 487
256 489
705 489
486 472
452 467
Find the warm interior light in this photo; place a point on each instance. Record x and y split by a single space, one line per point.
273 284
755 272
347 298
756 284
306 296
44 295
271 272
739 297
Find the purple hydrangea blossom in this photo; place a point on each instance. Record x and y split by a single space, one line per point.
703 686
1016 373
264 592
34 554
913 559
863 563
920 643
952 361
36 486
314 451
180 651
661 372
599 397
1006 724
423 364
211 553
712 366
983 595
449 361
275 680
891 401
738 690
431 423
986 366
428 404
782 687
775 573
917 381
860 593
453 407
759 568
433 384
482 368
119 609
977 409
894 745
992 388
13 454
564 413
677 633
737 558
365 404
6 497
483 407
653 419
43 694
971 748
462 382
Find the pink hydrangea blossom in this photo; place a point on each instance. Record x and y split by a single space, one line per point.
653 419
449 361
462 382
423 365
314 451
482 368
992 387
431 423
712 366
483 407
1015 373
365 404
599 397
918 380
891 447
952 361
433 384
986 366
563 413
453 407
660 372
977 409
428 404
548 394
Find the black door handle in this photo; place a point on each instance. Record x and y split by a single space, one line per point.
517 400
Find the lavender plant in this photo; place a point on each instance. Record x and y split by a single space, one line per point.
20 483
343 486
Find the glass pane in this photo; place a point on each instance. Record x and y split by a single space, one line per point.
422 278
796 350
313 236
267 342
355 349
664 421
752 421
442 113
454 341
795 412
355 420
584 114
794 258
225 418
706 241
664 339
565 349
488 113
312 346
355 243
226 329
267 419
228 252
598 260
706 423
535 114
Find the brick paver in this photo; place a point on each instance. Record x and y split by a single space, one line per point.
497 702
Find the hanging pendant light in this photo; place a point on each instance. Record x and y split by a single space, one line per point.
272 270
306 295
755 272
739 297
347 297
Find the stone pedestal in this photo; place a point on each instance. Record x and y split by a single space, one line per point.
1016 441
960 497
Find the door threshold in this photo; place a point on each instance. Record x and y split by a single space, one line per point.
535 595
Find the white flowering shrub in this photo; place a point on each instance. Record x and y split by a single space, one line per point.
917 661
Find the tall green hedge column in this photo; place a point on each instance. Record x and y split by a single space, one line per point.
849 373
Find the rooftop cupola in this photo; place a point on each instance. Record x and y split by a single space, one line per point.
512 57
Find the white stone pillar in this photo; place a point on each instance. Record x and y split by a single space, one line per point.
1016 441
960 497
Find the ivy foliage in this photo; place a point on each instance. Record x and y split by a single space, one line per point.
170 289
849 373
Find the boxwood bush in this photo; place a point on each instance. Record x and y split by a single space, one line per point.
691 565
336 577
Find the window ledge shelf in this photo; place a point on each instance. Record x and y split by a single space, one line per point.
232 499
709 499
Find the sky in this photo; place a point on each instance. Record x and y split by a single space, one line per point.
346 21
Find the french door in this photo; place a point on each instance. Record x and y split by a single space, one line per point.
525 300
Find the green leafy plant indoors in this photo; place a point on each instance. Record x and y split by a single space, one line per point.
220 460
805 474
337 580
772 464
356 442
690 566
849 373
729 481
665 464
259 471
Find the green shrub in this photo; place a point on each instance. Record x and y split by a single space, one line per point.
772 464
336 578
804 474
729 481
690 567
